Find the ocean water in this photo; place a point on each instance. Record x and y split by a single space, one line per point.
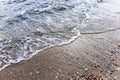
30 26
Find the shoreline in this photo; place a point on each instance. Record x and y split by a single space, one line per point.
88 56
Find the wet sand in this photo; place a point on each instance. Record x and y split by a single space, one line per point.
89 57
95 55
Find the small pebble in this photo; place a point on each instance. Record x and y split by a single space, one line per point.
118 68
56 76
31 73
37 72
86 69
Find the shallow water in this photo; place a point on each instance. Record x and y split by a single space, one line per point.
30 26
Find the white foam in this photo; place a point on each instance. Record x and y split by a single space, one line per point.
36 28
